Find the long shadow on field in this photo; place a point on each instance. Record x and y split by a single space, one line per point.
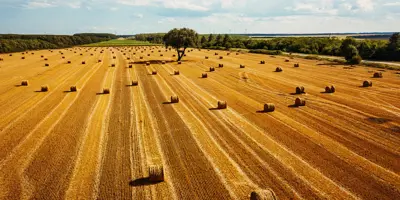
294 93
152 61
19 85
378 120
293 106
142 182
101 93
263 111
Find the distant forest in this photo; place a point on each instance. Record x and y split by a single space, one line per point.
16 43
372 49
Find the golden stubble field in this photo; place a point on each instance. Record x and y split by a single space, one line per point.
62 144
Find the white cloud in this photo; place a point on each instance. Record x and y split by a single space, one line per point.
166 20
225 15
365 5
392 4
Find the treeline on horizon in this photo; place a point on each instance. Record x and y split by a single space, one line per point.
17 43
387 50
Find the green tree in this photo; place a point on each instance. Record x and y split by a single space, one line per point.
203 40
180 39
394 42
218 41
226 41
210 38
349 50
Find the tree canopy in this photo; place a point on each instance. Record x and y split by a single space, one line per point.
180 39
15 43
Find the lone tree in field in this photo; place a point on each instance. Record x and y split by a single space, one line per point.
350 51
181 39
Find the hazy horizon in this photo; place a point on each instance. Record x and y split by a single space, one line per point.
128 17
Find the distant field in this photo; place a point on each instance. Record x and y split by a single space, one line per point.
119 42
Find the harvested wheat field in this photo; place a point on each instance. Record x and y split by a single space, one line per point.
118 135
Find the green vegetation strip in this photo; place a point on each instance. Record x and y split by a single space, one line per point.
121 43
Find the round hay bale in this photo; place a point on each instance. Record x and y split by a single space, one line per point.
328 89
262 62
22 58
41 56
367 84
206 57
83 62
91 54
63 57
69 62
174 99
106 91
222 105
73 89
378 75
161 55
156 173
99 61
300 90
287 60
212 69
148 54
130 66
1 59
128 58
216 54
299 102
141 57
260 194
114 57
147 63
278 69
24 83
135 83
204 75
176 72
297 65
10 55
242 66
221 57
220 65
237 53
44 88
113 65
333 89
81 54
33 53
269 107
46 65
46 59
154 72
228 54
163 62
179 62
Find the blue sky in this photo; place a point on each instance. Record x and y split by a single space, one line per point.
205 16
